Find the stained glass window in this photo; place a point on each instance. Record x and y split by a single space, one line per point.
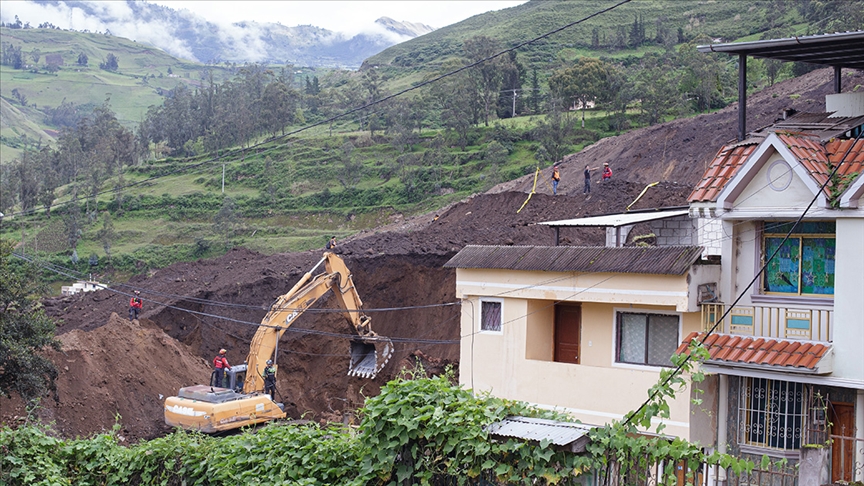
804 263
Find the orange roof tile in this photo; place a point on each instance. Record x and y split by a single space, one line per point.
758 351
723 168
818 160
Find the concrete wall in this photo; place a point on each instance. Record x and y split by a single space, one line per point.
849 300
642 289
516 363
675 231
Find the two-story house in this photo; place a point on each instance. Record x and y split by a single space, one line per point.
788 358
584 330
588 329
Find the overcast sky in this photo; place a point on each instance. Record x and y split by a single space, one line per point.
340 16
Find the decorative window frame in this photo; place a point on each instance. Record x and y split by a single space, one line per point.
746 414
760 295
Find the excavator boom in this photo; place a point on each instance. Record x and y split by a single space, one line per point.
213 409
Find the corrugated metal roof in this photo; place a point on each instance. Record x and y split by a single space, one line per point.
616 220
662 260
559 433
767 352
843 49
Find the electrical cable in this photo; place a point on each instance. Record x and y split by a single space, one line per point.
678 369
386 98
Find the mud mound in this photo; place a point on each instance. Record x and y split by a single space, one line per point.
680 150
122 369
192 309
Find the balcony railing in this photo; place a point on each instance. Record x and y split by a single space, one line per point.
773 322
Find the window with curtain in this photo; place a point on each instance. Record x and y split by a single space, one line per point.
804 263
649 339
490 316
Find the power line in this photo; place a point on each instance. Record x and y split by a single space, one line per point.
678 369
386 98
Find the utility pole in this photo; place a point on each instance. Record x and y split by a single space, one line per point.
514 104
223 177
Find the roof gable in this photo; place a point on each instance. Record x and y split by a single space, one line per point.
811 162
805 157
665 260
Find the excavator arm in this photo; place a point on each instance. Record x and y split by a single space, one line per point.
369 352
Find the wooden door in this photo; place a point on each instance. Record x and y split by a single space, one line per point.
568 327
842 418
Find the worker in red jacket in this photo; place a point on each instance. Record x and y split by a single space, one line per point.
220 364
135 306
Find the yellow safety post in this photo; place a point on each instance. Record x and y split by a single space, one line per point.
641 194
533 189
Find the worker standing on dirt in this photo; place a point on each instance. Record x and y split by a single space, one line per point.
135 306
556 177
587 189
220 364
607 172
331 245
270 379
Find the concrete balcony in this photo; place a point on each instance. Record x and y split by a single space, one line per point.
771 322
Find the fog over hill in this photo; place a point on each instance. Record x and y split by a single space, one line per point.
184 34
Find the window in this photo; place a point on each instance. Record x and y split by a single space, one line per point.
649 339
804 264
490 316
771 413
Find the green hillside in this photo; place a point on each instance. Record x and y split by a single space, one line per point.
142 74
410 61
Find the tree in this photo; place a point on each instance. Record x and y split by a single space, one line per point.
584 83
350 169
225 222
21 97
82 59
25 330
35 55
107 235
111 63
495 156
486 76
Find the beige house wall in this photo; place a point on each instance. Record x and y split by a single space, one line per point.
516 363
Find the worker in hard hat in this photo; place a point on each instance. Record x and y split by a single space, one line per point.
135 306
270 379
220 364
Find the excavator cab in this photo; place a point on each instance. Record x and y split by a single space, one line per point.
232 379
238 400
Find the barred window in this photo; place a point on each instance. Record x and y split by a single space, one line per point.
771 413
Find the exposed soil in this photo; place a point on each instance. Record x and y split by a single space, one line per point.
112 366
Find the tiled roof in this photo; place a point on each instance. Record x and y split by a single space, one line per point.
663 260
817 158
820 160
724 166
764 352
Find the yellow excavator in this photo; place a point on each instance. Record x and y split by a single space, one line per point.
239 400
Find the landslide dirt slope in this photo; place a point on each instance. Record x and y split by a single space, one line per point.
111 366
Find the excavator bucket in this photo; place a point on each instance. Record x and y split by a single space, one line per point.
369 355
